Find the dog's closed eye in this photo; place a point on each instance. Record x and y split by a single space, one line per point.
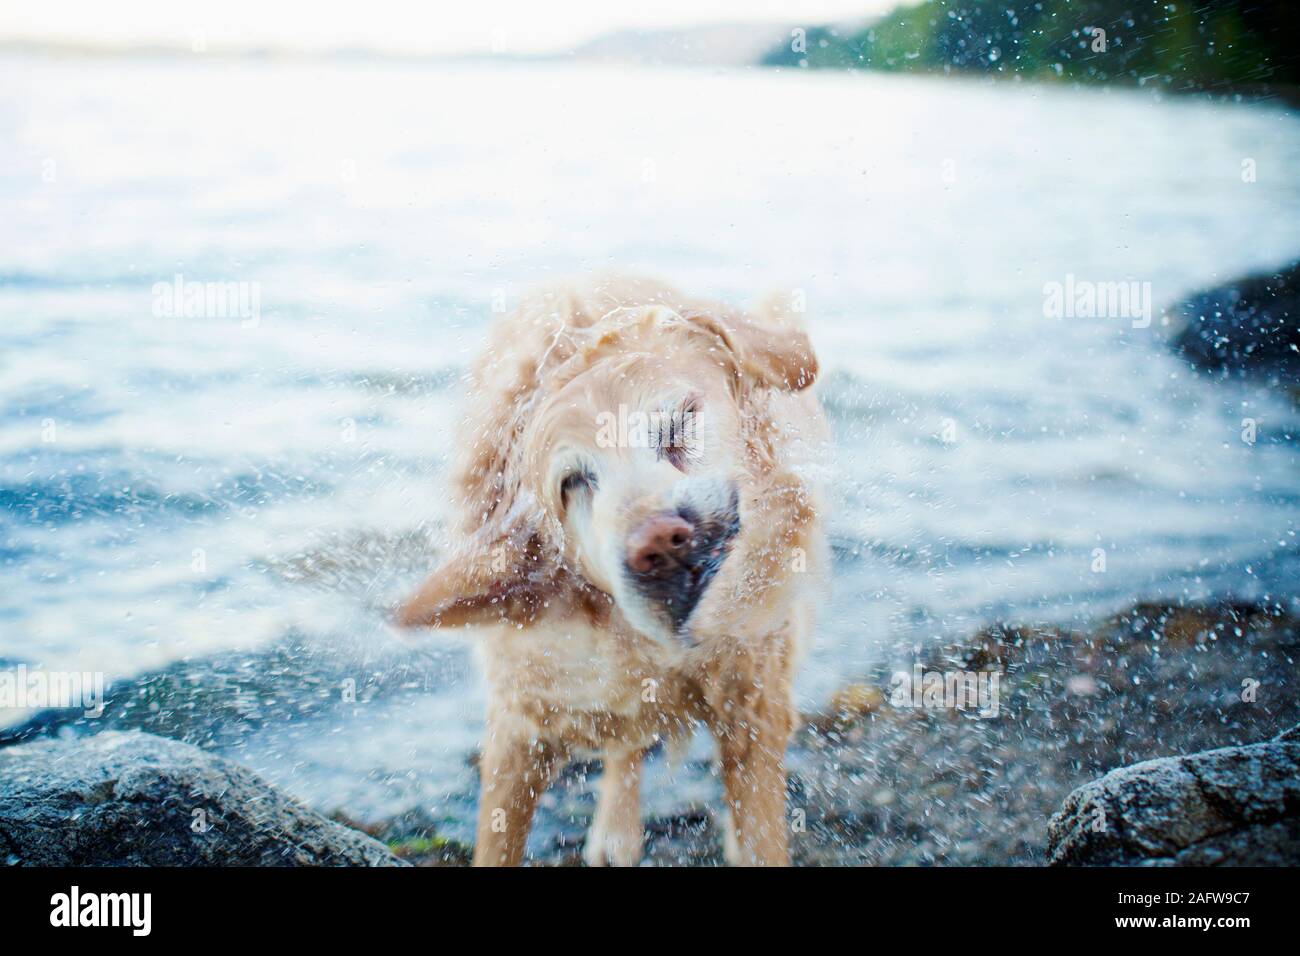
575 483
677 434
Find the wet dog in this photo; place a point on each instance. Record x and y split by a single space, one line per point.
642 552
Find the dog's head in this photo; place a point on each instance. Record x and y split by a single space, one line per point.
623 483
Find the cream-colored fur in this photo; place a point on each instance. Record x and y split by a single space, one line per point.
577 659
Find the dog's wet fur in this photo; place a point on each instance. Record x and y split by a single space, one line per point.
624 593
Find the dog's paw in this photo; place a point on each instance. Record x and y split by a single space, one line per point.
607 848
730 842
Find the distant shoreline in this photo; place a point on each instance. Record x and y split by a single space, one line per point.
1287 94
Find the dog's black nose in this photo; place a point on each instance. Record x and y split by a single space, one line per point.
672 556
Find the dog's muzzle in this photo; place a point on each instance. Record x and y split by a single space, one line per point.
672 556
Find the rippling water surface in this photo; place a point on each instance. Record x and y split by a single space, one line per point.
177 489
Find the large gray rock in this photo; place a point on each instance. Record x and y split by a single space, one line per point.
1237 806
132 799
1249 326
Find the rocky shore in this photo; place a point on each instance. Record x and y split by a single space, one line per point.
880 785
133 799
1093 756
1235 806
928 787
1246 328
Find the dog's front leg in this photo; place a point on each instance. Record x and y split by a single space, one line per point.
616 836
753 779
514 772
753 718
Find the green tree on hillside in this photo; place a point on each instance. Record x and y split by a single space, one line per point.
1210 44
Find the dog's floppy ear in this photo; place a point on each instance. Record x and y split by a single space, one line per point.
506 580
773 350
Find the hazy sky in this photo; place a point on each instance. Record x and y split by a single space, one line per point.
399 25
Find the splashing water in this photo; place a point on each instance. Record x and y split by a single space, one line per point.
174 489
